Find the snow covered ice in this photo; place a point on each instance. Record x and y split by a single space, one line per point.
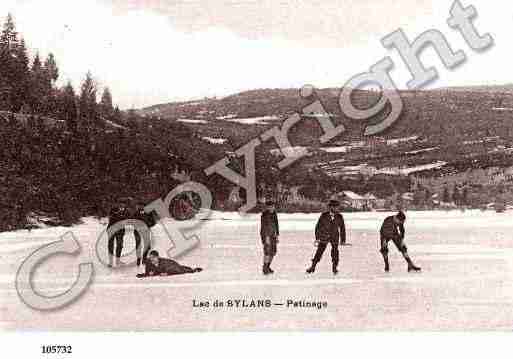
466 281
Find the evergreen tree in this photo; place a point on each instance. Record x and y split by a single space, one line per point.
9 36
87 101
35 72
51 73
51 68
37 67
8 45
21 86
41 87
68 107
106 106
117 116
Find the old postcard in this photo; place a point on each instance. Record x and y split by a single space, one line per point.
244 166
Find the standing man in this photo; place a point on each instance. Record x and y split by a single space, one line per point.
117 214
269 232
148 219
330 229
393 230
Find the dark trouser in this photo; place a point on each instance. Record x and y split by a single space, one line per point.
138 248
401 247
272 248
116 238
179 270
399 243
320 251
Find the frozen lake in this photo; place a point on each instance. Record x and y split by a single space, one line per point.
466 282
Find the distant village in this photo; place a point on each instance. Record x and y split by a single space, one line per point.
486 189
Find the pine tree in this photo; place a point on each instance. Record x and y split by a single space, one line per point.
35 72
117 116
36 64
68 107
9 37
51 68
41 87
106 106
21 85
8 45
87 101
51 75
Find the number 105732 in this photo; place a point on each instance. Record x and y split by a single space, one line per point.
56 349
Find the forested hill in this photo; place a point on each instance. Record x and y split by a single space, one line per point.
68 154
51 170
466 112
442 134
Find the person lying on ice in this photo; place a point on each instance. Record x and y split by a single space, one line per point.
269 232
329 229
157 266
393 230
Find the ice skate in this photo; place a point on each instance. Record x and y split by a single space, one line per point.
413 268
266 270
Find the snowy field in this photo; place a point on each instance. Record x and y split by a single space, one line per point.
466 283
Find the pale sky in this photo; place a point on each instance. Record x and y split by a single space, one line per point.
151 52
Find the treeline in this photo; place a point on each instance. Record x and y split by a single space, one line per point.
29 86
77 168
56 174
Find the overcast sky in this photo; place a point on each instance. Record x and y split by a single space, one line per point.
151 52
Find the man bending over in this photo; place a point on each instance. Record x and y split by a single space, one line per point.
393 230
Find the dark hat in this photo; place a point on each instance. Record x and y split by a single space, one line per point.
333 203
401 216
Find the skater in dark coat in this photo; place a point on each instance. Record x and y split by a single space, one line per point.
329 229
148 219
393 230
269 232
117 214
157 266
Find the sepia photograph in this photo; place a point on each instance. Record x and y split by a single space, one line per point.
255 166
